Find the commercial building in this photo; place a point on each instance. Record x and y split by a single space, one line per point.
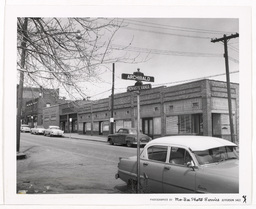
196 108
63 115
35 99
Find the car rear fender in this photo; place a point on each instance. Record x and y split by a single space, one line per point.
127 168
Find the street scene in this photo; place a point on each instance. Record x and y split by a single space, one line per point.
127 105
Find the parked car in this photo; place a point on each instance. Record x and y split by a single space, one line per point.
128 136
37 130
25 128
53 131
184 164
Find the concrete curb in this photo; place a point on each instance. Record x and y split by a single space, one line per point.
21 156
103 140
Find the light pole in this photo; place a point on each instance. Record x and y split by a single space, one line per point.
70 124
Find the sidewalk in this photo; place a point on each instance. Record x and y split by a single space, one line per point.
86 137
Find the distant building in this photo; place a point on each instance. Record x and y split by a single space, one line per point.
51 116
196 108
63 115
34 100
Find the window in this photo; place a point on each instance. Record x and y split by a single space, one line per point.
195 105
184 124
48 105
157 153
179 156
190 124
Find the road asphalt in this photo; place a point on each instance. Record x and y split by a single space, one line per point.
21 155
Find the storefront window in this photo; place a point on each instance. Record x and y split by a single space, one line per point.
184 124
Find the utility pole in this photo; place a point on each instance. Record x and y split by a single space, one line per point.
112 101
225 39
21 81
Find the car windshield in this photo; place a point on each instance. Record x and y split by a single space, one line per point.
24 125
54 127
133 131
216 155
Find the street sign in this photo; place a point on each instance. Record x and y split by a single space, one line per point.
138 88
137 78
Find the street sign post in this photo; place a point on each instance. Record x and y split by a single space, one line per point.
139 77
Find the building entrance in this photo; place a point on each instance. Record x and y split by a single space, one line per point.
147 126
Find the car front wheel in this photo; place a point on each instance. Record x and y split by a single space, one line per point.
128 144
110 141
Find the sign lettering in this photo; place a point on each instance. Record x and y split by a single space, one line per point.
138 88
138 78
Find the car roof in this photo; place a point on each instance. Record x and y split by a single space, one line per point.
195 143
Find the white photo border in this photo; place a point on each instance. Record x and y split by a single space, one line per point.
10 75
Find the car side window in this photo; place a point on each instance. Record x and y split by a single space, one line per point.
125 131
179 156
157 153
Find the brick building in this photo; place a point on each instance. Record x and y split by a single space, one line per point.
196 108
63 115
35 99
51 116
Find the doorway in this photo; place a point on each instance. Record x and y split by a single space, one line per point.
100 127
84 128
147 126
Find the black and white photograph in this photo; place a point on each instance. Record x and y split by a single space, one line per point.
130 106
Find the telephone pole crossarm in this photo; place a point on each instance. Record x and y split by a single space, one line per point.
225 37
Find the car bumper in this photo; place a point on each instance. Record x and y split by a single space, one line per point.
56 134
141 142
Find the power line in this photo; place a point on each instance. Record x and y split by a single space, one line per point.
166 52
164 33
191 80
171 27
170 83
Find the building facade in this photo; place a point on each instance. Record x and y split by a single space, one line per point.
51 116
33 111
196 108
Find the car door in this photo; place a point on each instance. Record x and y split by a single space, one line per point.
177 176
152 168
118 137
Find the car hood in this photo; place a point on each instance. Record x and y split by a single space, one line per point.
229 168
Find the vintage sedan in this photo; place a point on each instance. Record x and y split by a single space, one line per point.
25 128
53 131
128 136
37 130
184 164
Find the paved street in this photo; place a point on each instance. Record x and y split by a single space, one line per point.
63 165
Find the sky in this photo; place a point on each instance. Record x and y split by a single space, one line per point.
171 50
